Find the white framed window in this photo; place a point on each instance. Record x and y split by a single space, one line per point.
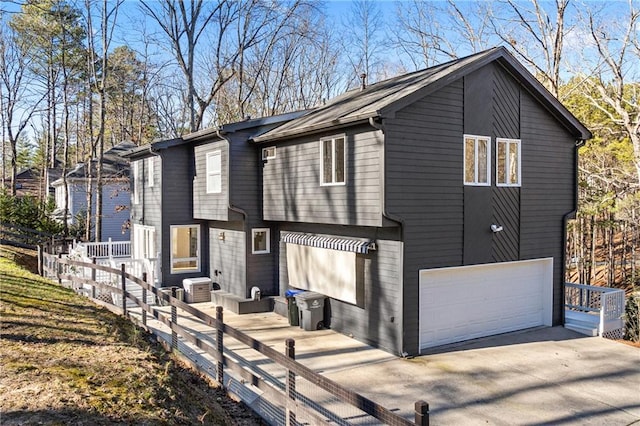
269 153
508 162
332 161
260 240
185 248
150 172
144 242
60 196
135 188
477 160
214 172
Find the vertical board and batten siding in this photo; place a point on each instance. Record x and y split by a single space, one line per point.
210 206
291 182
226 261
379 321
424 159
245 192
548 190
177 209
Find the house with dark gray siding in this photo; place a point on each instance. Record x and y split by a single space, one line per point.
442 193
429 208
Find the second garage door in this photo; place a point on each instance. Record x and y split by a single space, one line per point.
468 302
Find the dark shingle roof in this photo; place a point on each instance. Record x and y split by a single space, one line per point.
114 165
384 98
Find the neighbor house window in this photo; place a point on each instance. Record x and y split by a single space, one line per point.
260 241
150 172
214 172
185 252
477 160
508 162
332 159
135 189
60 197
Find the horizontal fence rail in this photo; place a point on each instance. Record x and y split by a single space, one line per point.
602 303
291 388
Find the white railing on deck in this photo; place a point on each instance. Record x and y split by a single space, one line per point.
607 302
103 250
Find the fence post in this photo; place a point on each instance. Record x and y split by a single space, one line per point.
40 265
123 287
93 279
219 346
290 351
144 300
422 413
110 249
59 268
174 320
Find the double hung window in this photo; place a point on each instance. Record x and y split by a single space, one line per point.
332 157
214 172
477 160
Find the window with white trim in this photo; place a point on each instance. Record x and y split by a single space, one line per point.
260 241
185 248
332 161
477 160
214 172
507 162
135 188
60 196
150 174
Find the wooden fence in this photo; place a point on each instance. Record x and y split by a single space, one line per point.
19 236
296 407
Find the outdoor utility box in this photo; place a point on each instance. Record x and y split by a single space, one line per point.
292 307
169 290
197 289
311 310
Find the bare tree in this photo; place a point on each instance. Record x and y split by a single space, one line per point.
18 102
615 77
535 35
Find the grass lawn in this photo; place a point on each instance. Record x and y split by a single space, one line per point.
65 360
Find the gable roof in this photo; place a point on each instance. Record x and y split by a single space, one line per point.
114 164
383 99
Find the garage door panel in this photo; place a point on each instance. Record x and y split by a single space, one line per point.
468 302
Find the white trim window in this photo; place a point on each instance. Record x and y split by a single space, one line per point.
150 172
135 188
477 160
60 196
508 162
214 172
333 161
260 241
185 248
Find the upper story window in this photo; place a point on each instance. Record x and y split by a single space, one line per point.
260 241
508 162
214 172
477 160
150 172
332 161
135 188
60 197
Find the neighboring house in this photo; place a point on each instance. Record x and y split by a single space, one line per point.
430 208
196 204
115 193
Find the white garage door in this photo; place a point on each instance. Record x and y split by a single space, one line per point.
468 302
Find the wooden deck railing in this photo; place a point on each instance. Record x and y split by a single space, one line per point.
295 405
106 249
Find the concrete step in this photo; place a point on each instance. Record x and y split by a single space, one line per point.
588 331
239 305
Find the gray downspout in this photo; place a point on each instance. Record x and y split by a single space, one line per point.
394 218
565 221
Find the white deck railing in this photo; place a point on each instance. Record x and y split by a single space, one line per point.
607 303
104 250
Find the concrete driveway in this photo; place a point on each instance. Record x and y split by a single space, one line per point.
539 376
